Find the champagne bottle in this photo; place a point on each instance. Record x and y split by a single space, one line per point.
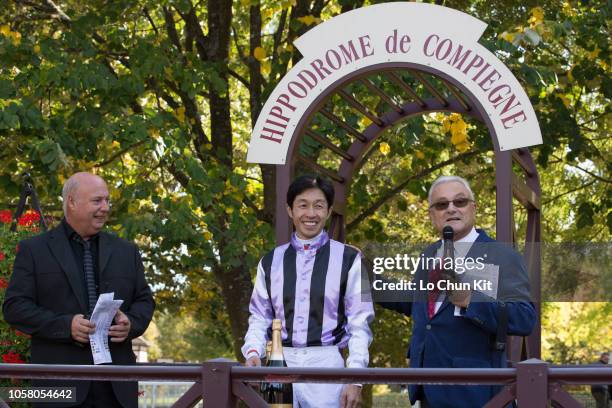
263 388
277 395
268 351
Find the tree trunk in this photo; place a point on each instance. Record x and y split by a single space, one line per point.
236 287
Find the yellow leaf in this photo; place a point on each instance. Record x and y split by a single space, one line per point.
266 67
365 122
36 49
507 36
567 9
593 54
458 126
309 20
419 154
463 147
566 101
116 144
384 148
16 37
446 124
537 16
259 54
229 210
180 114
5 30
458 138
207 236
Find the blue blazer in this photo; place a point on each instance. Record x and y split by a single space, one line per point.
465 341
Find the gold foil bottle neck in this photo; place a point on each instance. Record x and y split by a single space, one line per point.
276 324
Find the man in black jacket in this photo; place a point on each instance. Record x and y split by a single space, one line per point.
57 277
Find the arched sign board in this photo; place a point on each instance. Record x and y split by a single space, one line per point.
439 39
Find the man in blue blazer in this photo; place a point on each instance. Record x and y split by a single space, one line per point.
459 328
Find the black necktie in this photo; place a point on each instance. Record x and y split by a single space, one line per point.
90 279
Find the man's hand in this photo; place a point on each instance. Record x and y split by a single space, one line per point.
119 331
253 361
351 396
81 328
460 298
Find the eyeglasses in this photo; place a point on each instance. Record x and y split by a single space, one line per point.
458 203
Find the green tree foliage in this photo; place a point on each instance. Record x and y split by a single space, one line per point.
186 338
159 98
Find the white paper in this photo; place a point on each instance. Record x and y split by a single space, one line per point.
490 273
102 316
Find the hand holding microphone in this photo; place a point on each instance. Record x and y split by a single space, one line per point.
448 254
460 298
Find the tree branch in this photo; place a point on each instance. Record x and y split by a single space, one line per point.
172 33
260 215
596 176
178 175
278 35
239 77
195 31
118 154
568 192
397 189
605 113
62 16
145 11
239 47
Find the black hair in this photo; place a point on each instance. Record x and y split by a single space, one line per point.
308 181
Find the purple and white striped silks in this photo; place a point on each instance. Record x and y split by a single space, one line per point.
319 295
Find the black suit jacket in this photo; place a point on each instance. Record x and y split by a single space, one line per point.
46 291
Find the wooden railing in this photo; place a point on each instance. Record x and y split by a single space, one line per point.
221 382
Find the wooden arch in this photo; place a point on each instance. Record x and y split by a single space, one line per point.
415 90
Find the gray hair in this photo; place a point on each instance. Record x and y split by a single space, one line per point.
450 179
69 187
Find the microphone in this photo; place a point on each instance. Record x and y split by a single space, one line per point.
449 251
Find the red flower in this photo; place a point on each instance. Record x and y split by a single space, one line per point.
2 256
21 334
5 216
29 218
12 358
3 283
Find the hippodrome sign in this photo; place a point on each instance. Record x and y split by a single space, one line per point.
442 39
